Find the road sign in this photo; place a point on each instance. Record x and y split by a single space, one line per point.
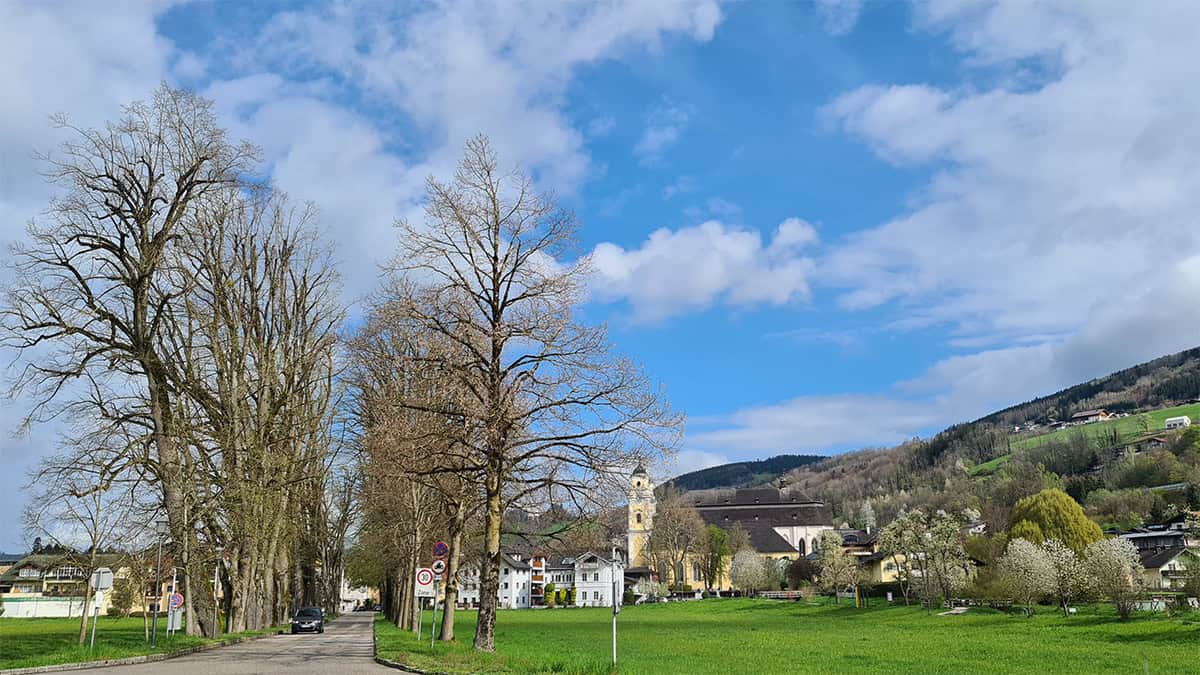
425 587
99 599
176 600
438 567
102 579
440 550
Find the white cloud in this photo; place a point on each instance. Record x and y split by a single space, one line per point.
813 424
839 16
664 126
694 268
1050 199
686 461
462 68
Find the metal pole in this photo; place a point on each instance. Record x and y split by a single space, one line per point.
95 615
433 626
420 617
174 583
157 594
615 607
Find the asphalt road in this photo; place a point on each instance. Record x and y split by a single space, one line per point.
346 647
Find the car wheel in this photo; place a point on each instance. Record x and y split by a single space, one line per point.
321 630
294 631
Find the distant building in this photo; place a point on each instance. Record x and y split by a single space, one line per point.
515 584
780 525
1167 568
1177 422
1089 416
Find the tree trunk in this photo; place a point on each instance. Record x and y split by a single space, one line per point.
489 582
457 524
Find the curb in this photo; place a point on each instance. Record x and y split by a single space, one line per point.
133 660
385 662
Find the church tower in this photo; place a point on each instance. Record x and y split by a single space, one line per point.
641 514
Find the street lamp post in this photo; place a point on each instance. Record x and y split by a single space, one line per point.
159 531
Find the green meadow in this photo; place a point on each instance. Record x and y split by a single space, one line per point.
763 636
26 643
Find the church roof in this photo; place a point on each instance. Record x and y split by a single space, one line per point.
640 470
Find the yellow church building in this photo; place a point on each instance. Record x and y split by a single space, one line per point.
781 524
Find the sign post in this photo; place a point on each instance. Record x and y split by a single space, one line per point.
102 580
424 589
617 587
440 550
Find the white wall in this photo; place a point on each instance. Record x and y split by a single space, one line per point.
40 607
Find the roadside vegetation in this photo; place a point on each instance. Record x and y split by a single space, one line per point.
28 643
762 636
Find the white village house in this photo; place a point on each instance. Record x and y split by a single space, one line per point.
515 584
589 574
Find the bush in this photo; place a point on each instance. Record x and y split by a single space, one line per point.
629 597
681 588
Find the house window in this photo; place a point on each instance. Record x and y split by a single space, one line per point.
23 588
68 572
506 585
28 573
595 576
800 545
696 572
504 571
638 518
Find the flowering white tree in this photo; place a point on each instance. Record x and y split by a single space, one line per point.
1116 568
747 570
838 568
1027 573
1071 577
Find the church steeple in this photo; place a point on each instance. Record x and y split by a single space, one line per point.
641 513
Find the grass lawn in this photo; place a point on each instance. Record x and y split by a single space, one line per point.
43 642
764 636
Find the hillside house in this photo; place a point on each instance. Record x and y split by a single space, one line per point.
1177 422
1167 568
1090 416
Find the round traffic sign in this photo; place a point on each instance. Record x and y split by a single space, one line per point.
176 600
438 566
440 549
424 576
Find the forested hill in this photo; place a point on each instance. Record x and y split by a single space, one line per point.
742 474
1117 470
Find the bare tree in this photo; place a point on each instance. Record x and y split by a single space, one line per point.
678 533
94 286
87 507
549 408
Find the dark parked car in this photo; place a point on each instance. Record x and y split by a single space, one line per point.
309 619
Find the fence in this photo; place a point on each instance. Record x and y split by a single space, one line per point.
38 607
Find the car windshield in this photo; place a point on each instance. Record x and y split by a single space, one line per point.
309 613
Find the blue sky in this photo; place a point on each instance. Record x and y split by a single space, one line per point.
822 225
